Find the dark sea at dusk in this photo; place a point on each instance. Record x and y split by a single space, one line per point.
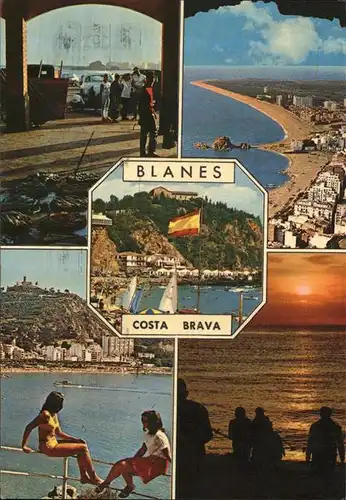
289 373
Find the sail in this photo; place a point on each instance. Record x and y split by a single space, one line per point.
136 301
129 294
169 301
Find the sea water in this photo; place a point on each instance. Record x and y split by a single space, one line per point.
291 374
108 419
213 299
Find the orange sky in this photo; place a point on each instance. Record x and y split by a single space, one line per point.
305 290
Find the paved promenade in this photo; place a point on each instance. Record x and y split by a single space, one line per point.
58 145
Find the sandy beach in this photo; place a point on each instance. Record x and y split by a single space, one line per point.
7 370
303 167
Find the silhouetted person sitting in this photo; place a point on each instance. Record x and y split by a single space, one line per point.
240 432
325 441
193 432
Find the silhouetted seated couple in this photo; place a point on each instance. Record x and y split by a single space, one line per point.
53 442
255 441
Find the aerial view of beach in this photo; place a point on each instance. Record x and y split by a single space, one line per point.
274 99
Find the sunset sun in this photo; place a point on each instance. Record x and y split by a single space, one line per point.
303 290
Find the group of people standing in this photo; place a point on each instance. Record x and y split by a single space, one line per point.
256 446
139 93
255 440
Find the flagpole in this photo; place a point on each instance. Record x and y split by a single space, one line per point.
199 260
240 313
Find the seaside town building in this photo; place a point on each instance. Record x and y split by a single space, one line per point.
318 216
283 100
301 101
11 351
178 195
96 352
114 347
332 180
303 146
290 239
322 194
76 352
340 219
101 220
279 100
314 209
131 261
330 105
319 241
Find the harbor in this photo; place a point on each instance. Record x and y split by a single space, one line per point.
173 296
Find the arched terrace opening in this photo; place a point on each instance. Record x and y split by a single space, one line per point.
17 13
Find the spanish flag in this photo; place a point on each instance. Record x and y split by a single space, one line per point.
185 225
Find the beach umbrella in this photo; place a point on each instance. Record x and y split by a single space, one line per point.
151 311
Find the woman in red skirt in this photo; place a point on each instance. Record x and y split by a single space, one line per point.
150 461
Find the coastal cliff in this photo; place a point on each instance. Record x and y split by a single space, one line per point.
103 252
152 242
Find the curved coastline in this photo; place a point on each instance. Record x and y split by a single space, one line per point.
302 167
249 101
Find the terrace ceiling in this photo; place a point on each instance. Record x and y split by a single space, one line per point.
33 8
327 9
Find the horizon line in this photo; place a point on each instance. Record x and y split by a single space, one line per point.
261 66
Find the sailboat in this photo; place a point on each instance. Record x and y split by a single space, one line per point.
169 301
136 301
129 294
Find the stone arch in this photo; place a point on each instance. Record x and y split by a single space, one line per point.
18 12
33 8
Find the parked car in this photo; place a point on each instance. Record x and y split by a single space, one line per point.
72 78
90 86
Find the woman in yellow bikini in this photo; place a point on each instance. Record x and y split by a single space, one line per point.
67 446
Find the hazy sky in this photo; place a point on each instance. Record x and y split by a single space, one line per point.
243 195
60 269
305 289
48 33
257 34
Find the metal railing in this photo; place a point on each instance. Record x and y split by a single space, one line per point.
65 477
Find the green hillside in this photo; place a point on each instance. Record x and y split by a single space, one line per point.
230 238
